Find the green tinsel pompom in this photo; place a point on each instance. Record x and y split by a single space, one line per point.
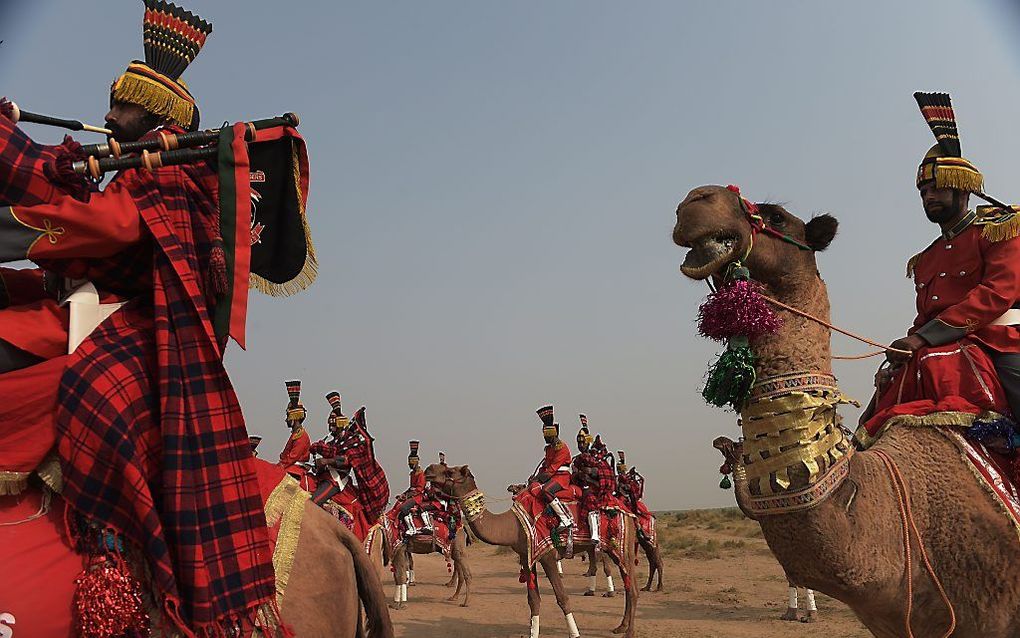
725 482
731 377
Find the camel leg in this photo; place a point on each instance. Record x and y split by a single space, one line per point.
592 573
654 565
400 556
410 568
792 606
463 569
562 599
812 610
534 598
630 592
610 585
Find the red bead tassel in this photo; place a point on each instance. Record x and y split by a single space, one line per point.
108 601
737 310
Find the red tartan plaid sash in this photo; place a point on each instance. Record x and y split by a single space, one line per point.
153 443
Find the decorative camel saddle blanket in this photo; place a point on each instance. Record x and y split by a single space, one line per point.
37 555
439 536
544 533
997 473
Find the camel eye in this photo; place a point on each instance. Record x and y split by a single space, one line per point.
777 219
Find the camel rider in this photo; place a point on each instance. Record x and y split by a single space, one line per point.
414 496
630 486
967 281
552 475
298 445
332 468
254 441
579 467
442 458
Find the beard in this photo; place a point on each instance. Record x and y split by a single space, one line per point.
938 213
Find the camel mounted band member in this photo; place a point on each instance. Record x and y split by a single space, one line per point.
415 495
596 474
332 467
552 475
967 285
298 446
630 486
148 431
580 468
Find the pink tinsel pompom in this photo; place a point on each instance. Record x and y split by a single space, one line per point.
737 310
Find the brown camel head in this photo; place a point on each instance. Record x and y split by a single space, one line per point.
456 481
711 222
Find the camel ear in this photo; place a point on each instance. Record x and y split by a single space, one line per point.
820 231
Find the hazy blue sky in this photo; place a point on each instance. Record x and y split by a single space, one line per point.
494 184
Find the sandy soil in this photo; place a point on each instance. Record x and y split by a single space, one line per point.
721 581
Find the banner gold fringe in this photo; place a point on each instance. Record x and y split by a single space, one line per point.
310 270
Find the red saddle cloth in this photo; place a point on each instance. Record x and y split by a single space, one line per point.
540 523
39 567
27 427
440 535
345 505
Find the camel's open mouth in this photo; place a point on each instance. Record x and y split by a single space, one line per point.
707 259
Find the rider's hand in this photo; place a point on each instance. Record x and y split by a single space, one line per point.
911 343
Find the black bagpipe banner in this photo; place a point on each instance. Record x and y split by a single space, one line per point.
263 195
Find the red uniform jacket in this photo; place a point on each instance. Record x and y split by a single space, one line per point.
417 482
297 449
556 464
964 284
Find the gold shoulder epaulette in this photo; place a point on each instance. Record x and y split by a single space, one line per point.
998 224
913 262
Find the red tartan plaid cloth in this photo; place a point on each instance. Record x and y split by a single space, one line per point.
152 439
373 488
27 169
595 473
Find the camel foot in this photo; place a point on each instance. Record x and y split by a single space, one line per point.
646 588
398 606
589 592
411 584
464 604
622 629
452 598
812 616
658 587
791 614
609 594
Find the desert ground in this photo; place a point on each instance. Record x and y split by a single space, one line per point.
721 582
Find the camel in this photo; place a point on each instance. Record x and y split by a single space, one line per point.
505 530
849 543
401 562
327 584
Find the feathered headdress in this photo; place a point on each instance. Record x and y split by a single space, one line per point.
173 38
944 164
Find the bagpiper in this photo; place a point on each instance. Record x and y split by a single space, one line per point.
552 475
298 446
150 437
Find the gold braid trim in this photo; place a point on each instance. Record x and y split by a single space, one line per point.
286 506
1008 228
154 98
789 432
936 419
310 270
13 483
473 505
912 263
50 473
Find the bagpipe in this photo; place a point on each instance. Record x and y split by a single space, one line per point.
166 149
